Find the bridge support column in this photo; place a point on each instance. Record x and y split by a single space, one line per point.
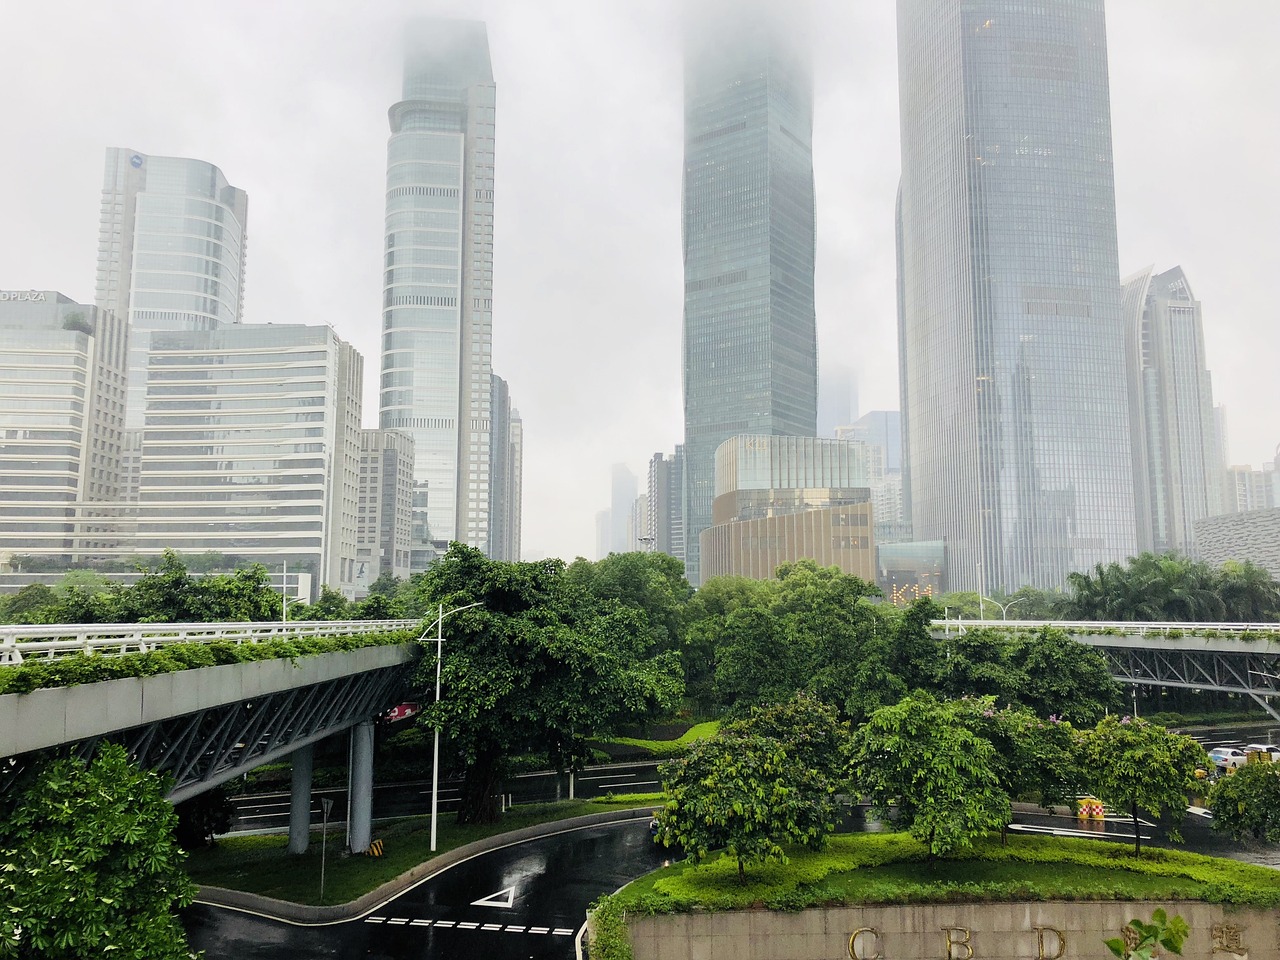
301 761
360 788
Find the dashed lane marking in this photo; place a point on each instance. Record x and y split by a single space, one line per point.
468 925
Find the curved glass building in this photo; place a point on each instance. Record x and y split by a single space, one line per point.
750 343
437 307
1014 398
171 253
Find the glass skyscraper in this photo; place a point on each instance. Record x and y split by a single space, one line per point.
1177 460
750 344
171 253
438 282
1014 399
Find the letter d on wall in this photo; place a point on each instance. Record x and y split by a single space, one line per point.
859 939
1061 938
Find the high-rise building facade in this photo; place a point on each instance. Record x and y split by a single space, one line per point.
1014 399
171 253
251 448
666 495
384 519
62 373
1178 472
506 459
750 342
437 308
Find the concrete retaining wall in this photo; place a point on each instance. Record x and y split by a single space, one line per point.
301 913
47 718
1006 931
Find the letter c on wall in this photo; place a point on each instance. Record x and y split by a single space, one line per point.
854 942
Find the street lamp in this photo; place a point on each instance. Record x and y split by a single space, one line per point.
435 750
1004 607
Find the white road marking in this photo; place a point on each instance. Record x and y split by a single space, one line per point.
492 926
539 929
562 932
449 923
630 783
375 919
398 920
419 923
511 929
504 898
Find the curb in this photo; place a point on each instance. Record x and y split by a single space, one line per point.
307 915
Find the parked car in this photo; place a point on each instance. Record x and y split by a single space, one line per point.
1228 758
1268 748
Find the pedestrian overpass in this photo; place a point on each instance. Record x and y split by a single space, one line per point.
1241 658
205 726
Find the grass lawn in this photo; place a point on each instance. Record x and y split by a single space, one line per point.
260 864
893 868
666 748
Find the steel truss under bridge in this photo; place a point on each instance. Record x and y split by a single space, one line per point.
1224 657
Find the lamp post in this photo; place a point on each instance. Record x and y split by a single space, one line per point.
326 804
1004 607
435 749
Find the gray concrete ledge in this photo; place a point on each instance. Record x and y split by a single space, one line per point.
56 715
312 915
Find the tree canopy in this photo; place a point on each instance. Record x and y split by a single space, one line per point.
1246 804
89 865
538 666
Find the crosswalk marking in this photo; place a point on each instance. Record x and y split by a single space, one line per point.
470 925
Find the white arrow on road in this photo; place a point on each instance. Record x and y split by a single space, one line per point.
503 898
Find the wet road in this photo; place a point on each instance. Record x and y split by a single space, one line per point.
524 901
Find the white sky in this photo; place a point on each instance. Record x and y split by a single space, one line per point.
290 100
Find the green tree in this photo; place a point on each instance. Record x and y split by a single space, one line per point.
89 866
30 603
202 816
1134 765
1063 678
1141 939
539 666
653 583
705 627
1247 803
811 729
331 605
916 762
746 794
1249 593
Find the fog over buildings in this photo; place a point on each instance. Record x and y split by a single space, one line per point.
588 286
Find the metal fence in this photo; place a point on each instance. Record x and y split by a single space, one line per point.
25 642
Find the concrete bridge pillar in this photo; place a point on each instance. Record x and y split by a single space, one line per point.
360 788
302 761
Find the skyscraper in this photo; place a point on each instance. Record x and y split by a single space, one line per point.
750 342
438 282
1178 471
1014 400
171 253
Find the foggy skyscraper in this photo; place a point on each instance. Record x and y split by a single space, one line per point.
750 343
1015 413
438 281
1178 469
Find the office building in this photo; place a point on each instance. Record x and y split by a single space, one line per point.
437 308
171 257
384 516
1014 397
506 459
1252 535
251 449
749 339
1178 473
666 495
1249 489
62 378
781 499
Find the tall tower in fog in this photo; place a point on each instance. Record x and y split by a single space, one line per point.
750 344
1014 403
438 282
1177 457
171 253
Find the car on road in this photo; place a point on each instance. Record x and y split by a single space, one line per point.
1228 758
1267 748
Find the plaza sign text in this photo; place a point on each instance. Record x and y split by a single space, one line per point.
35 295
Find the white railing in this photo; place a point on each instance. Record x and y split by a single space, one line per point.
25 642
1128 627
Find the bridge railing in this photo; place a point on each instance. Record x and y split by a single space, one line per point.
1126 627
24 642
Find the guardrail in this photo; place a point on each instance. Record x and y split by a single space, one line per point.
1128 627
25 642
